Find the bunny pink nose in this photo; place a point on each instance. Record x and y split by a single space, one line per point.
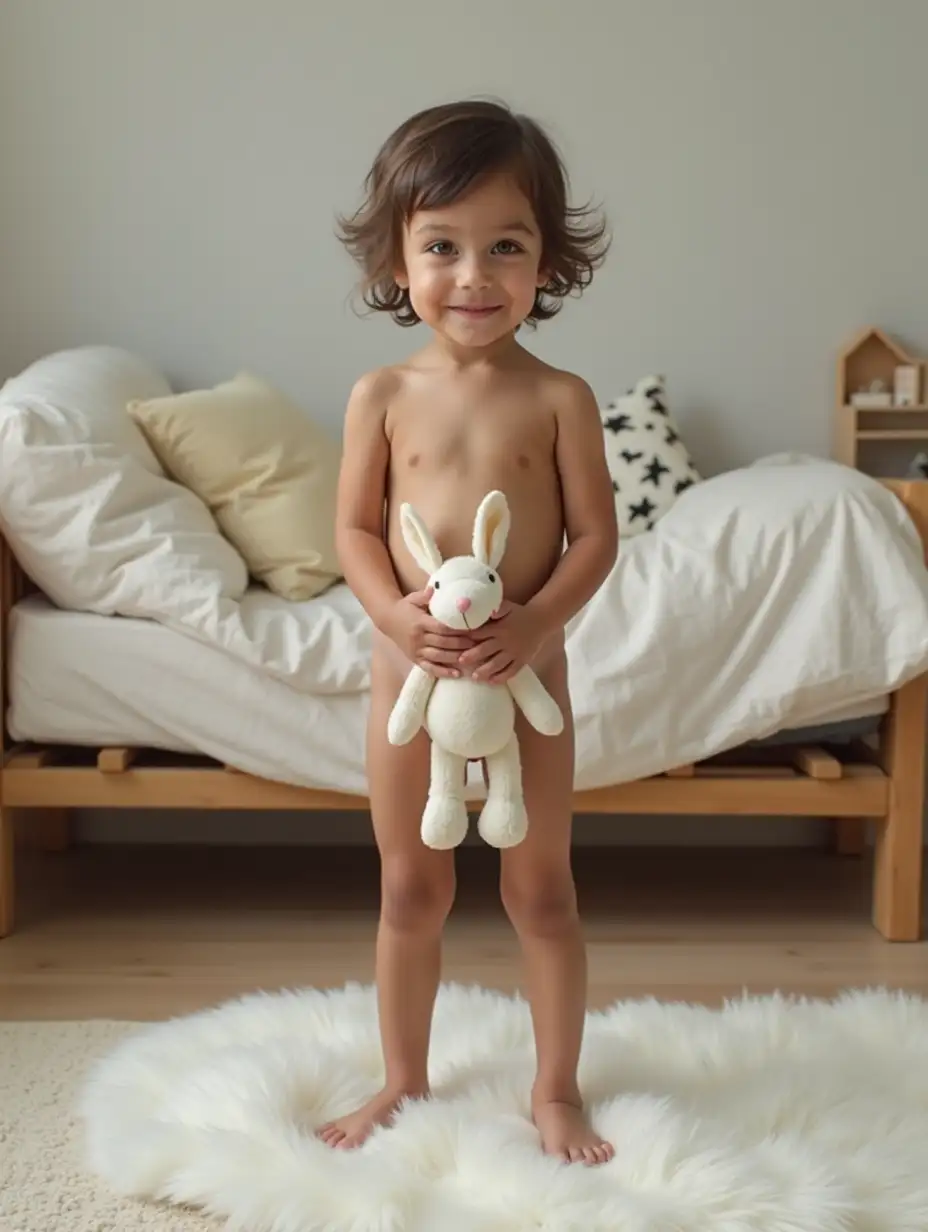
463 604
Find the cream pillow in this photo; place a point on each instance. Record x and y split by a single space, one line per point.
264 468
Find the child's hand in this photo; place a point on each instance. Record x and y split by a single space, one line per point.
424 640
505 644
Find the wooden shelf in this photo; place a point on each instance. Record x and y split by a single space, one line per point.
893 434
870 360
888 410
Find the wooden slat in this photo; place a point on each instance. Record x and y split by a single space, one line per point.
818 764
29 759
115 760
862 792
717 770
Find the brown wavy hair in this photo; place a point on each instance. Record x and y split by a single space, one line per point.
436 157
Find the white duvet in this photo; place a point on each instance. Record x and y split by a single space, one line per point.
767 598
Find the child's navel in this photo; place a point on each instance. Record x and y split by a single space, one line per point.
413 459
523 462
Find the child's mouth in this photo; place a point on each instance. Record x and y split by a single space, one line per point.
475 312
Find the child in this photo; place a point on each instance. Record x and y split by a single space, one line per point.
466 228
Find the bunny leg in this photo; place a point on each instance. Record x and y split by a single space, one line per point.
504 821
444 821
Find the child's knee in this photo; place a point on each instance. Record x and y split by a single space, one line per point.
417 896
540 901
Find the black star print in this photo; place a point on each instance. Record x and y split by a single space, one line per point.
643 509
681 485
619 423
671 438
654 470
657 403
650 427
615 486
630 456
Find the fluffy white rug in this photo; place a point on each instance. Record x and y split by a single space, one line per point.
770 1115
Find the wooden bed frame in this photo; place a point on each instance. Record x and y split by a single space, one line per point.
879 783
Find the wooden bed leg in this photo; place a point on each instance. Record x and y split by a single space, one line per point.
6 871
899 854
850 836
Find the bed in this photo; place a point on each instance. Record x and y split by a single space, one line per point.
762 652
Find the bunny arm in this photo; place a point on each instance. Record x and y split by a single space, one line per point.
408 713
536 703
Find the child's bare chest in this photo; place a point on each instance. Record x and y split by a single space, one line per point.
463 436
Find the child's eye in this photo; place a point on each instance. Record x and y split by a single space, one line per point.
508 248
441 248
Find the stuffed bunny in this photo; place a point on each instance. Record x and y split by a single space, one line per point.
469 719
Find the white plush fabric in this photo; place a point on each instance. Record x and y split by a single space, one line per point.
771 1115
469 720
85 505
647 458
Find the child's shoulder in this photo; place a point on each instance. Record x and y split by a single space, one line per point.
563 390
377 388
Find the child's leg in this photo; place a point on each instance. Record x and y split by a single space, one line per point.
538 893
417 891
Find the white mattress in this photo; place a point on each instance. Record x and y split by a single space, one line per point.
78 678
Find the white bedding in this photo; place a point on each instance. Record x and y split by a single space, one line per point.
767 599
79 678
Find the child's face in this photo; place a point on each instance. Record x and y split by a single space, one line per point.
472 268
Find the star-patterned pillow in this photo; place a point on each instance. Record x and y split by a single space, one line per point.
649 463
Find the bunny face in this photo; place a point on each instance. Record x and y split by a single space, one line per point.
465 593
466 590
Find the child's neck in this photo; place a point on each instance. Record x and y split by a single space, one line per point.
459 357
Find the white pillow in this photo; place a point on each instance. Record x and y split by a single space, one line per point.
84 503
648 461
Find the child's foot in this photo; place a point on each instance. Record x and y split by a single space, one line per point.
566 1132
350 1131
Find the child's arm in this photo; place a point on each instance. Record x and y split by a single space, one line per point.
589 510
359 535
362 481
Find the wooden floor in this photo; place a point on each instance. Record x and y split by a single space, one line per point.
143 933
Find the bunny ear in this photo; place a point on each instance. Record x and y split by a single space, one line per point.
491 528
418 540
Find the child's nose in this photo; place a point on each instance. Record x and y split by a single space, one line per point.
463 604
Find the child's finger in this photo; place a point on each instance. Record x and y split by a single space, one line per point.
441 639
504 674
438 669
420 598
480 654
499 662
447 658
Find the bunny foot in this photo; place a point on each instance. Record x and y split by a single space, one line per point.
503 822
444 823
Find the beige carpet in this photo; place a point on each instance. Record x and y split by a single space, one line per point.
44 1183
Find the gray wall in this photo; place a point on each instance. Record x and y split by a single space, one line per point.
170 171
